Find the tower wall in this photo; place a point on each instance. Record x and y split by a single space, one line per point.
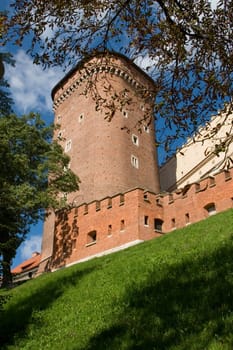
103 149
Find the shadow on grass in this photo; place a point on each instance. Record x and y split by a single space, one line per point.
186 306
44 291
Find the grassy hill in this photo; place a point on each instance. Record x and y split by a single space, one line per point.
175 292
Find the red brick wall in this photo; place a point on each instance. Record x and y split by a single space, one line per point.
71 242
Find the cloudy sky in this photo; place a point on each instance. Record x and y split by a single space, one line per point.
31 91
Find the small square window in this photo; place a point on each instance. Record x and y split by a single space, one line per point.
125 113
68 146
81 117
134 162
146 129
135 140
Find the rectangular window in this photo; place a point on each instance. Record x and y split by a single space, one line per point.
68 145
122 225
146 220
135 140
134 162
109 230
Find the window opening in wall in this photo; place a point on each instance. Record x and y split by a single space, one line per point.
91 237
109 230
122 228
68 146
187 219
210 208
145 197
59 117
135 140
173 223
134 162
59 135
146 220
146 129
125 113
158 225
81 117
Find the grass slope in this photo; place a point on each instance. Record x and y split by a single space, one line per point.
175 292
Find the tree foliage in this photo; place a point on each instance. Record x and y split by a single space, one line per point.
28 160
186 46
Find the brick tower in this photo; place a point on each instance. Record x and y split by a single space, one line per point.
104 110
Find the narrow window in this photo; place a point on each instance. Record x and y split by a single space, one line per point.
146 220
122 225
146 129
59 135
134 162
58 117
158 225
91 237
68 146
109 230
187 219
210 208
125 113
145 197
81 117
135 140
173 223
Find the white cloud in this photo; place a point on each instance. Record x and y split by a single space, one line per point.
30 85
30 245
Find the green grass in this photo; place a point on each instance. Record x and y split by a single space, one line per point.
175 292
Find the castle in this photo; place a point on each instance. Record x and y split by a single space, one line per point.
104 108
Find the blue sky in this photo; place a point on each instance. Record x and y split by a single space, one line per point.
31 87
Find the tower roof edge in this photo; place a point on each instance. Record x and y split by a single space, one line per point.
80 64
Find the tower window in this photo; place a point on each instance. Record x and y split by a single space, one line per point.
146 129
135 140
58 117
134 162
125 113
68 146
81 117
